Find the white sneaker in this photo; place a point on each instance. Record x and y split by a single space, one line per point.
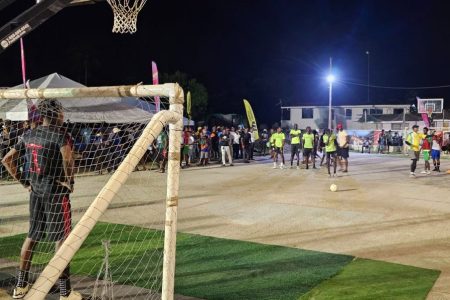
428 172
412 175
72 296
281 167
298 168
423 172
274 165
20 292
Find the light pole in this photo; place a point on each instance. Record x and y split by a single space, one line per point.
368 76
330 79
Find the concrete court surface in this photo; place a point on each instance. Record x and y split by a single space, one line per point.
378 212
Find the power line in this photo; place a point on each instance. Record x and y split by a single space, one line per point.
396 87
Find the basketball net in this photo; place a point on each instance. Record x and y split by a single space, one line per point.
126 14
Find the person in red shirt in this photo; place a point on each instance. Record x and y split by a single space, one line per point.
426 149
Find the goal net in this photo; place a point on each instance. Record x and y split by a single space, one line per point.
96 172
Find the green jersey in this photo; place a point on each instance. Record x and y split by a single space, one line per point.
277 139
295 134
329 141
308 140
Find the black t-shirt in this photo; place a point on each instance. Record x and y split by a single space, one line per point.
224 140
42 148
246 138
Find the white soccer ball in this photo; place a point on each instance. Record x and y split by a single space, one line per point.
333 187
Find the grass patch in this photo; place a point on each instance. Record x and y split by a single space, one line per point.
369 279
207 267
213 268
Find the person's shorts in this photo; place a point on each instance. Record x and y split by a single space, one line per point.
331 154
186 150
414 154
426 155
278 150
204 154
435 154
343 152
307 152
50 217
295 148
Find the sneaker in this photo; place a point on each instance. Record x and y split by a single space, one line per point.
281 167
72 296
298 168
412 175
435 169
274 166
423 172
20 292
231 165
223 165
428 172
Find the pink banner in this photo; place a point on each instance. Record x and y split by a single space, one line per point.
22 59
26 84
156 81
426 120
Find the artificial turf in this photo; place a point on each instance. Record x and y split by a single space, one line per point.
370 279
213 268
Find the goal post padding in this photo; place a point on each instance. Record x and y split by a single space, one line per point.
173 117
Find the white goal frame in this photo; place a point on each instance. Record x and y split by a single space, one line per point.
173 117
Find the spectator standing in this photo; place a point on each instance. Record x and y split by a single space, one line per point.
265 141
245 145
234 137
225 143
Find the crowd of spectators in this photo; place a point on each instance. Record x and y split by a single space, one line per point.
102 147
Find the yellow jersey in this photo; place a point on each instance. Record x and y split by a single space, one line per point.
414 139
277 139
295 136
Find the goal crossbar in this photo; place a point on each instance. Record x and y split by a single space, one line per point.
173 117
171 90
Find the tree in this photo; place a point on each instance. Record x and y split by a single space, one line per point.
198 91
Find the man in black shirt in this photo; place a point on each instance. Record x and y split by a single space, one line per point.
245 143
50 182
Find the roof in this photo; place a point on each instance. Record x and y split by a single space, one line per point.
82 110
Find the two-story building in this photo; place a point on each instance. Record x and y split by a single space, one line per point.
359 117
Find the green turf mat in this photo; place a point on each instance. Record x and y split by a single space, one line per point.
206 267
369 279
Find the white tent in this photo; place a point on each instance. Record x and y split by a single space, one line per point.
82 110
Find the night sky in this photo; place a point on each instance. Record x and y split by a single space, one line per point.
261 50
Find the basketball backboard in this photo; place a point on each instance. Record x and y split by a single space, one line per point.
430 106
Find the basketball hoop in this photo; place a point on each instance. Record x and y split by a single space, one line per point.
125 14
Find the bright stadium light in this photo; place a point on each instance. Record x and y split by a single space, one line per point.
331 78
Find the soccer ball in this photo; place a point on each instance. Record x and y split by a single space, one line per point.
333 187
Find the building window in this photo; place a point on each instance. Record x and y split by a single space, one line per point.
348 113
398 111
396 126
307 113
286 114
376 111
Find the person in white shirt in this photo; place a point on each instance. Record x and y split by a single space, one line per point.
236 142
343 147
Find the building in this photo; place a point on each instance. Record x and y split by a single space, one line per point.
359 117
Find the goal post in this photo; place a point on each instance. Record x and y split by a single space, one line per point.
172 117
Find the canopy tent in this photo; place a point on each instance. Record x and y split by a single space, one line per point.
83 110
